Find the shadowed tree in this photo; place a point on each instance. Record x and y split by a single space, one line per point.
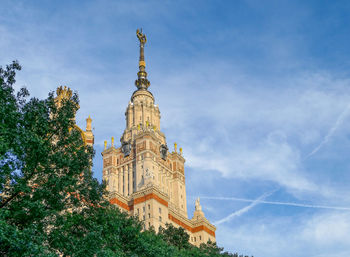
45 168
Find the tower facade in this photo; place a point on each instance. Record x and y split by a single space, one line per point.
143 177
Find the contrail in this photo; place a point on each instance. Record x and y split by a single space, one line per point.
331 131
277 203
243 210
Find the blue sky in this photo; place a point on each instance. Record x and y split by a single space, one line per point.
256 92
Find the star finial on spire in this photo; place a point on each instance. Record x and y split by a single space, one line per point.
142 81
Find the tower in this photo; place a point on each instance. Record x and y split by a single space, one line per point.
143 177
65 93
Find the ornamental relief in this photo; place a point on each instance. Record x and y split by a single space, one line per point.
153 148
107 161
141 146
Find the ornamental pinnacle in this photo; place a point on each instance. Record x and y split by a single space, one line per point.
142 82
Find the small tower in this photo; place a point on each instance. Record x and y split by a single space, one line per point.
89 136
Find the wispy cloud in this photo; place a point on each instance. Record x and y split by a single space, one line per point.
330 133
317 234
243 210
260 200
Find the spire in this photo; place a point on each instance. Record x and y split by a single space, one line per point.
142 82
198 213
88 123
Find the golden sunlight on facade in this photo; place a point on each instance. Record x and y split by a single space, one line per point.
142 176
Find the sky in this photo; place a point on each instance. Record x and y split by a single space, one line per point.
257 93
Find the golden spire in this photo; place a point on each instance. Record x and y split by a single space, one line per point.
142 81
88 123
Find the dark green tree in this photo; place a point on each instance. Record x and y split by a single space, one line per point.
175 236
45 168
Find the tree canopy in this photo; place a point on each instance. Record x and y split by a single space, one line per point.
50 204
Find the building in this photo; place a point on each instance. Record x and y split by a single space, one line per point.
143 177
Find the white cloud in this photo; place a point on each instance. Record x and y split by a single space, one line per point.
245 131
242 210
328 229
325 234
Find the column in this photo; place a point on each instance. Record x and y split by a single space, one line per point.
130 180
125 169
120 180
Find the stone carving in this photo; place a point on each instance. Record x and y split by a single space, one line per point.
163 151
198 206
126 148
141 36
149 174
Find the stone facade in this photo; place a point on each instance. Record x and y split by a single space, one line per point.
142 176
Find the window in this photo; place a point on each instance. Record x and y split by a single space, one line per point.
149 207
195 239
143 208
144 217
160 210
160 218
149 224
138 211
149 215
200 237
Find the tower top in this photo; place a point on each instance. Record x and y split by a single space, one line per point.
142 82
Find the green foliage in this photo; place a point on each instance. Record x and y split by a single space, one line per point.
175 236
45 168
50 205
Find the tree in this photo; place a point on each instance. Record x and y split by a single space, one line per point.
175 236
45 168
